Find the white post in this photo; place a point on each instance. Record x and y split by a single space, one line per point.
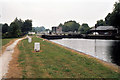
37 47
29 40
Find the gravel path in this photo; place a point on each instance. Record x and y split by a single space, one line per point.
6 57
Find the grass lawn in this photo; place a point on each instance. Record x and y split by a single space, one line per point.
56 62
5 41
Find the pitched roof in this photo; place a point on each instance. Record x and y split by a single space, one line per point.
104 28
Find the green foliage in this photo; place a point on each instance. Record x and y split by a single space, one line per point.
38 29
27 26
14 30
83 28
1 30
1 25
113 19
19 22
70 26
17 28
47 29
100 23
108 19
5 28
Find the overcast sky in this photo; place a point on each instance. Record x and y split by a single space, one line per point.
50 13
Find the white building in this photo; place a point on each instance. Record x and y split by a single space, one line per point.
32 33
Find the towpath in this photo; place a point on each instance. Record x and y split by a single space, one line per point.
6 57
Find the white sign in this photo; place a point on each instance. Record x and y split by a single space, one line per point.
37 46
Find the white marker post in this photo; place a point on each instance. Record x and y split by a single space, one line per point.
37 47
29 40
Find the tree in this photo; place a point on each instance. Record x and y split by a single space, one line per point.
113 19
33 29
70 26
1 28
60 25
17 28
84 28
39 29
5 28
47 29
14 30
100 23
107 19
27 25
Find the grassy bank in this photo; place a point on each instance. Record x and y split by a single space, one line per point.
56 62
5 41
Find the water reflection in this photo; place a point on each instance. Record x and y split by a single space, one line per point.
100 48
115 52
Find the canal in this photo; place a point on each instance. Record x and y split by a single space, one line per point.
100 49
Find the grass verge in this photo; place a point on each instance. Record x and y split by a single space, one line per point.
5 41
56 62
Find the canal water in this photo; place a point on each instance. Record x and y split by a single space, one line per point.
100 49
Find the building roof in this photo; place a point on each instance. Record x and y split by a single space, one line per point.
104 28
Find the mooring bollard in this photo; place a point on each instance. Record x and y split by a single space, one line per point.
29 40
37 47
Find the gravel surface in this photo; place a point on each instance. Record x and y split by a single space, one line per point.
6 57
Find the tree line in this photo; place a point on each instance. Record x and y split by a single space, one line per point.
112 19
73 26
16 28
